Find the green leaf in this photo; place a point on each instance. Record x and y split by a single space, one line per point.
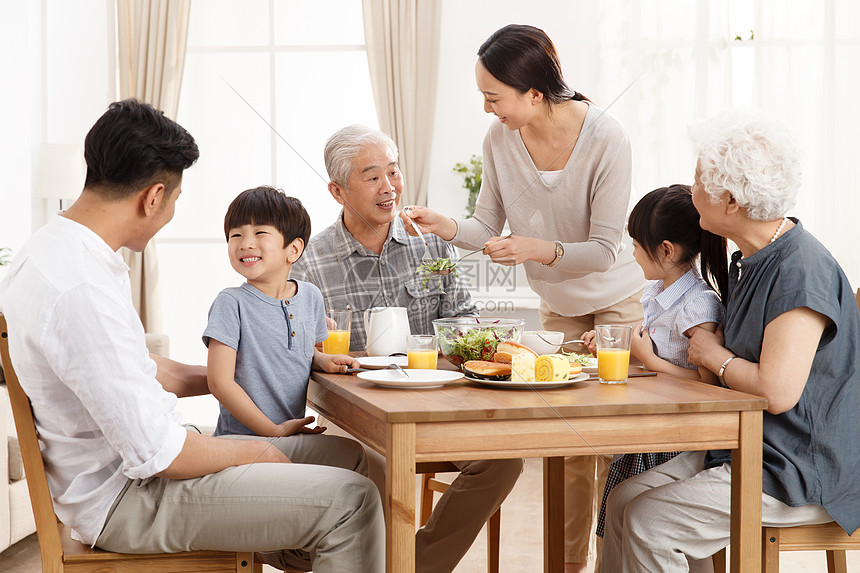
471 173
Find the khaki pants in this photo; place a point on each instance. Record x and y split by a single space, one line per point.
585 476
460 513
317 512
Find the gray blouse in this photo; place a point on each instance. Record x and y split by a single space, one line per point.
811 452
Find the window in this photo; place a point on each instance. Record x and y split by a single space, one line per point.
265 84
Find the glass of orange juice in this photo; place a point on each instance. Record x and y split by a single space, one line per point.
613 352
421 351
339 323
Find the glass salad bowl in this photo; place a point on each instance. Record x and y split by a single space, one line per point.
474 338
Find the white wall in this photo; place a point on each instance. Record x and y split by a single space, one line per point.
460 122
58 77
20 113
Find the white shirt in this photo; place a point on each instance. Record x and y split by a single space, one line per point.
79 351
670 312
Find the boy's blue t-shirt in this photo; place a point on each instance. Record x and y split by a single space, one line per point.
274 343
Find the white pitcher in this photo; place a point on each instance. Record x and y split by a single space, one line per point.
387 329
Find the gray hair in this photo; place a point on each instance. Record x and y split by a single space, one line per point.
346 144
752 156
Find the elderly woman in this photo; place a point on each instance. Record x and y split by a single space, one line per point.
791 336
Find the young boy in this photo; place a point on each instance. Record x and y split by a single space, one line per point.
261 335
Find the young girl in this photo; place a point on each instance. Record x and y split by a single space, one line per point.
667 240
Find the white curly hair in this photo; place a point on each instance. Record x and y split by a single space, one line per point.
752 156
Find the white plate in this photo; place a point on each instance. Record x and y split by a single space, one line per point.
530 385
378 362
417 378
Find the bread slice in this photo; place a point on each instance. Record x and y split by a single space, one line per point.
507 349
486 370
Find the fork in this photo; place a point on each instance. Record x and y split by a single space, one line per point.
426 257
398 368
391 366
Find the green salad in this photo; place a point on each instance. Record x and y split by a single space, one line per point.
461 345
584 359
429 269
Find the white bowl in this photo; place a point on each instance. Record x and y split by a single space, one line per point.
531 339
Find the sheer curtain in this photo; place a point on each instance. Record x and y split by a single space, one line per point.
685 61
151 37
402 38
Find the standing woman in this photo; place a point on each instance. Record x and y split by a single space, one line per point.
558 169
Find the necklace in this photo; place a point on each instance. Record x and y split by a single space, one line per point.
779 229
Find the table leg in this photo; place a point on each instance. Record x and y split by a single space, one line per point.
553 515
399 503
746 494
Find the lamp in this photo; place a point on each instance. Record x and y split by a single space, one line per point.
60 172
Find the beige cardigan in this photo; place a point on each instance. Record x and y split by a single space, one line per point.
584 207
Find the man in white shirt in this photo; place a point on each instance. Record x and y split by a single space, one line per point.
124 474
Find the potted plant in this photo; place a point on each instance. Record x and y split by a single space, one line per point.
471 174
5 259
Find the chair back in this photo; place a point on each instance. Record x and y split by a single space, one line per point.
34 468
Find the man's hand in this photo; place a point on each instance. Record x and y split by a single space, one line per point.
202 455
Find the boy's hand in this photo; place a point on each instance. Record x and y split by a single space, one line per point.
589 339
299 426
334 363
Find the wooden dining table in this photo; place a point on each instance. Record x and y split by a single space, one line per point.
465 420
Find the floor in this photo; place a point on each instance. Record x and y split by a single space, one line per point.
521 545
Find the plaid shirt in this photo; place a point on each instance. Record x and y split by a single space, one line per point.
352 276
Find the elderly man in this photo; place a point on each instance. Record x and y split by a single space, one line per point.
124 474
366 259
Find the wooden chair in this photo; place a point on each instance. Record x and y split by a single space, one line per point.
827 537
60 553
429 485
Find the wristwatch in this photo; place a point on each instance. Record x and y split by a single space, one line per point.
559 253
